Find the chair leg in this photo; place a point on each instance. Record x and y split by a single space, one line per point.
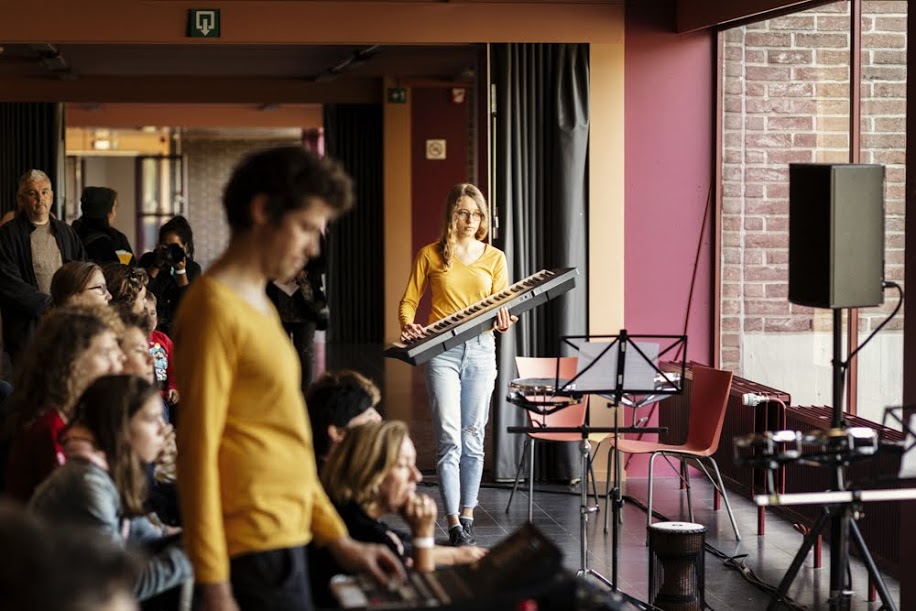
718 483
591 470
618 474
518 472
531 482
686 474
649 508
607 489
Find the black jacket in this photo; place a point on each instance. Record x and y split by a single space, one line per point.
20 301
101 240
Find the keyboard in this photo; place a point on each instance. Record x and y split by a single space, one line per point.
513 569
470 322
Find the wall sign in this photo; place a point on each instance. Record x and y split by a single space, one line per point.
435 149
203 23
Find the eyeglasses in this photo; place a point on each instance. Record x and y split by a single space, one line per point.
101 289
467 215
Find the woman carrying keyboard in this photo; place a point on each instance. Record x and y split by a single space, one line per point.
459 269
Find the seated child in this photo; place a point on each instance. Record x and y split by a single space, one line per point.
160 347
163 498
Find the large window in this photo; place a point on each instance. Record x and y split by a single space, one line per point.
787 97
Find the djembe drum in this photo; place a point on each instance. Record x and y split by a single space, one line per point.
676 566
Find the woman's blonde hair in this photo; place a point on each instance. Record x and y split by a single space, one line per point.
446 242
356 469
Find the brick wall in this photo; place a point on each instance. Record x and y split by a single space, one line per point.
210 163
786 99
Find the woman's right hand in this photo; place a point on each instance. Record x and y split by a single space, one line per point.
420 514
411 331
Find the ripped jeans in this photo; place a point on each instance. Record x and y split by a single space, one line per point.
460 384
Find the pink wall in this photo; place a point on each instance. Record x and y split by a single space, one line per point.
669 140
435 116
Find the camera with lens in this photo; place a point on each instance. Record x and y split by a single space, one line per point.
173 254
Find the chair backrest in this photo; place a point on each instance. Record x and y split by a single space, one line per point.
708 401
546 367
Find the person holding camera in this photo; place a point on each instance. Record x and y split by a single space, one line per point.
171 268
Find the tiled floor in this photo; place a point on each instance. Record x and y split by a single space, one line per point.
557 510
556 513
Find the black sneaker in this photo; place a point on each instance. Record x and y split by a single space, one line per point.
467 524
457 537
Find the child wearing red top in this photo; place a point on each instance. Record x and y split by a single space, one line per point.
160 348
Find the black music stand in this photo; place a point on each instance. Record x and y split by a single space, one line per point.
605 370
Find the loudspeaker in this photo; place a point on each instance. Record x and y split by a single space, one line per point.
836 235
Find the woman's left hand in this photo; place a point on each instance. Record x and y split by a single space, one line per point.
504 320
468 553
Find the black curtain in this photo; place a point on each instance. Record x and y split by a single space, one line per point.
31 137
355 276
541 197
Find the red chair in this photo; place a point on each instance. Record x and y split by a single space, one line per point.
572 415
708 400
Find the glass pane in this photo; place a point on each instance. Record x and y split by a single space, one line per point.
162 181
148 233
149 185
176 185
785 99
883 98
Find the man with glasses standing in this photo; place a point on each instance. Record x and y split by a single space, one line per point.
32 247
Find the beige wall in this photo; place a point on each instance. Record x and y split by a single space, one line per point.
398 244
606 204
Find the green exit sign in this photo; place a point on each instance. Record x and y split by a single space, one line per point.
397 95
203 23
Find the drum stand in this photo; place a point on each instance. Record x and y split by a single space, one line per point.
839 516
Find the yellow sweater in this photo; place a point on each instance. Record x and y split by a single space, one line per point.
247 479
452 289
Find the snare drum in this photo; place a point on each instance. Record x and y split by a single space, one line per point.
768 450
542 395
840 445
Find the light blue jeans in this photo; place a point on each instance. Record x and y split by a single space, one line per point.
460 384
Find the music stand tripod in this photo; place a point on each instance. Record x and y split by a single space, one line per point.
604 370
544 408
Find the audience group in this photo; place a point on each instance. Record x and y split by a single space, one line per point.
88 449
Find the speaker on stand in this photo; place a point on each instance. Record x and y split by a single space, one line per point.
836 261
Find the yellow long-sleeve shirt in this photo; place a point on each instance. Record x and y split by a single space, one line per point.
247 479
451 289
